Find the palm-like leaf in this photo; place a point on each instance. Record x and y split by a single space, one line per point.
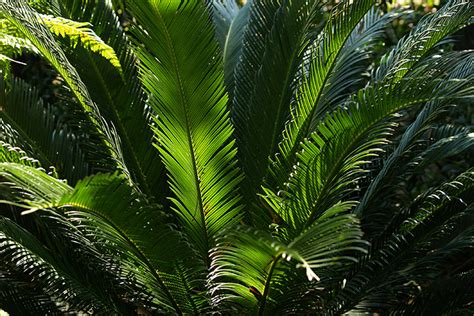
120 98
246 265
194 131
324 55
410 248
88 204
426 116
79 32
231 24
261 101
432 29
45 135
349 219
332 158
26 21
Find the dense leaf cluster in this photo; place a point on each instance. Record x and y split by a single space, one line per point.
216 158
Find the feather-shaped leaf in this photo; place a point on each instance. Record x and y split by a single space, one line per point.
54 279
408 254
230 27
26 20
246 263
413 132
275 38
428 32
107 203
81 33
182 71
331 160
121 99
309 99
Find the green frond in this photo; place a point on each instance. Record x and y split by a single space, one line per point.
44 133
351 66
193 134
8 153
276 35
446 147
247 264
231 24
26 20
120 224
81 32
46 6
422 122
11 37
13 45
18 295
416 249
152 245
348 187
428 32
224 13
329 45
46 273
121 99
185 282
332 159
29 187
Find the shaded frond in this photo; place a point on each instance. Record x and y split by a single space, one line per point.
26 20
422 122
223 13
231 24
121 99
275 38
247 265
415 250
445 295
324 61
120 224
48 134
428 32
18 295
34 260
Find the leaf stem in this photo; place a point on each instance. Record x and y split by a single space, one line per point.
261 309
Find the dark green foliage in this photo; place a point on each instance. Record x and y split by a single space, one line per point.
272 158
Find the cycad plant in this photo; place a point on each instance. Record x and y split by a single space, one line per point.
205 157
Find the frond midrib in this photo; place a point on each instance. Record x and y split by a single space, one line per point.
306 126
266 291
355 139
122 131
137 249
184 104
